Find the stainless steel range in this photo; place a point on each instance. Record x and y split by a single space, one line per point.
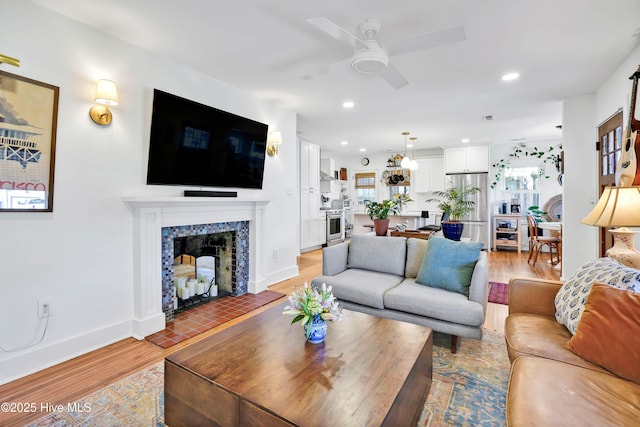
335 226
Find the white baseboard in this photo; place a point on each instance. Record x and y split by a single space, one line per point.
41 357
145 327
283 274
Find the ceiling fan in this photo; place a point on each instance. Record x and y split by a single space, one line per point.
370 57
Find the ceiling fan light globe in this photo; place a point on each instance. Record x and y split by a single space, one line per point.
369 65
371 60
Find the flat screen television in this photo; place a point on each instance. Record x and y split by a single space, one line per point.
193 144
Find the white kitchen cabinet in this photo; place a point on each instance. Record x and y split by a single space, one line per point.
309 166
430 175
466 159
310 223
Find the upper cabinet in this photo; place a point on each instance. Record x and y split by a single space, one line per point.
429 176
466 159
309 166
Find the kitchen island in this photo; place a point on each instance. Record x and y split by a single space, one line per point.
411 219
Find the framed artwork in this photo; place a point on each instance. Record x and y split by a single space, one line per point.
28 121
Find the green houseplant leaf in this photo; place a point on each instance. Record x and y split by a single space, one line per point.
381 210
453 201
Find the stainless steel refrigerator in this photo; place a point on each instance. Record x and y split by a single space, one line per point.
476 223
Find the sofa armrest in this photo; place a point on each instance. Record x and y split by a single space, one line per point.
334 259
478 289
535 296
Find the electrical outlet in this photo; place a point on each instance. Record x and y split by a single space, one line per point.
275 253
45 307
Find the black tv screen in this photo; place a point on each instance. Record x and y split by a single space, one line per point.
197 145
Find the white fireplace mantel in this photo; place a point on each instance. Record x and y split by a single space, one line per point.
151 214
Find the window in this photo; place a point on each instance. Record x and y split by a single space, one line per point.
398 190
522 185
610 150
365 187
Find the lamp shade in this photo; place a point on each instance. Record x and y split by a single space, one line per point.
617 207
275 137
106 92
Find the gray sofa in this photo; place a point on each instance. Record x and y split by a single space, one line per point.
376 275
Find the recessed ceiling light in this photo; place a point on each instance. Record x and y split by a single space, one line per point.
344 142
362 150
348 104
510 76
465 140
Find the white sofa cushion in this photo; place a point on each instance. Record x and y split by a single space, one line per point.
360 286
435 303
416 249
378 253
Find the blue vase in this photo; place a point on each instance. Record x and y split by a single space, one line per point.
316 330
452 230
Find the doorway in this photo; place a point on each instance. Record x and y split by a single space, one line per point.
609 149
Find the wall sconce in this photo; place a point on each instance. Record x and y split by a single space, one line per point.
106 94
274 140
9 60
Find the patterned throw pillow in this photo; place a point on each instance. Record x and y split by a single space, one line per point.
572 296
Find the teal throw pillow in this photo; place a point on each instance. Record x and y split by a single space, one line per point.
449 265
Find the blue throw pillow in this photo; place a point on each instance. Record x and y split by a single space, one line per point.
449 265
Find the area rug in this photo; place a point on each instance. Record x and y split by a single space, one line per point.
499 293
468 390
469 387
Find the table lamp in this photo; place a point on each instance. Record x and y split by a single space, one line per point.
619 207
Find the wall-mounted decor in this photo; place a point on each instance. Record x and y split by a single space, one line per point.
28 121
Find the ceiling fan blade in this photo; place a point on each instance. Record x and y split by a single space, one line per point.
337 32
325 69
392 76
317 73
427 41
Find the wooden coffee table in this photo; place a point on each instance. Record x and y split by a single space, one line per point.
369 371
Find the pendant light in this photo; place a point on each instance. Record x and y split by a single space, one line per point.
413 165
406 161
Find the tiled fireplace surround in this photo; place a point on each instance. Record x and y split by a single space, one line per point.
177 215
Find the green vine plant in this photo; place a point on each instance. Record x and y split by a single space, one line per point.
520 151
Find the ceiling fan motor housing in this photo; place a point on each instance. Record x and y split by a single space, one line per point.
371 60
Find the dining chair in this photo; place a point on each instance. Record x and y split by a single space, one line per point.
537 242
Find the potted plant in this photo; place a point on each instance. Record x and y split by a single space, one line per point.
401 199
379 214
536 213
454 204
314 307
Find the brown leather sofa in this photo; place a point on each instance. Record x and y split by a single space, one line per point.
549 385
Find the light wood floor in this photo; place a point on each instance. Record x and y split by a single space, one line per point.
78 377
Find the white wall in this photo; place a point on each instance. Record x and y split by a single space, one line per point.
580 178
81 254
581 116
